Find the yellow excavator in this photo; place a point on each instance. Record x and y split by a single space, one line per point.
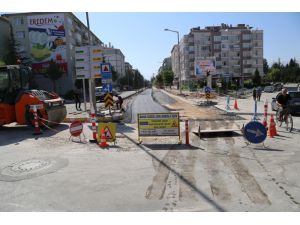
16 99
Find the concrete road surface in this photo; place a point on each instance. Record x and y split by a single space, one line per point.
52 172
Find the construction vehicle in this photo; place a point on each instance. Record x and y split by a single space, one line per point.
16 99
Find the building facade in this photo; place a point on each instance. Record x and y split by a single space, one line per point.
236 51
47 37
116 58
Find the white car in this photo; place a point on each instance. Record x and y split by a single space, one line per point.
269 89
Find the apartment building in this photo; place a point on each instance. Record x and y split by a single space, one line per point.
116 58
237 51
46 37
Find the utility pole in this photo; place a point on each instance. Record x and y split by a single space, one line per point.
93 107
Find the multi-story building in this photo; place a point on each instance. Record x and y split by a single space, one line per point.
236 51
46 37
116 58
4 37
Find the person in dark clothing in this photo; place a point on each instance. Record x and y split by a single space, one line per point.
259 91
119 102
282 101
77 93
254 94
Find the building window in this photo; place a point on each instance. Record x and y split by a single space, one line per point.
217 38
224 38
19 21
246 37
217 46
20 34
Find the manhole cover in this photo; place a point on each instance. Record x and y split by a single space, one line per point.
30 168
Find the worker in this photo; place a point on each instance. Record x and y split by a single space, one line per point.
119 102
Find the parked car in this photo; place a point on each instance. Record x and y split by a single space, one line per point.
294 103
269 89
278 86
100 93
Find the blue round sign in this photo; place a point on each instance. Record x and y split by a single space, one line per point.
207 89
255 132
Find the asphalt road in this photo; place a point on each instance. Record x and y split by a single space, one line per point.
144 103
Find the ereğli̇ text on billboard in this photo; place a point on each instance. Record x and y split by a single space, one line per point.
47 41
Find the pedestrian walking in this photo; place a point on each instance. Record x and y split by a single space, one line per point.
77 93
254 93
259 91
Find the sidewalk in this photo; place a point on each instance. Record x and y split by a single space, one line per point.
103 116
245 105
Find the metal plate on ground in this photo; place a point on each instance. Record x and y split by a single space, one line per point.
30 168
217 126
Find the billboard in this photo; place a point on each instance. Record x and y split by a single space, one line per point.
158 124
47 41
202 66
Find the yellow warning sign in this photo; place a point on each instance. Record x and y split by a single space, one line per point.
158 124
110 131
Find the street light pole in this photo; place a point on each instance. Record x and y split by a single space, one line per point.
93 108
178 51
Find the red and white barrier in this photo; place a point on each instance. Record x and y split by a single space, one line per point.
265 113
94 128
37 129
187 138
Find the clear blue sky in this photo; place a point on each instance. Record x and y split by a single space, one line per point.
143 41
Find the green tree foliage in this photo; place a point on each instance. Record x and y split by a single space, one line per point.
168 77
256 79
11 57
280 73
265 66
54 73
159 80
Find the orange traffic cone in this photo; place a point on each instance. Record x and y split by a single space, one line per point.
235 106
103 143
272 128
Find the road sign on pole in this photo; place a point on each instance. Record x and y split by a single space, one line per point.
108 99
106 68
255 132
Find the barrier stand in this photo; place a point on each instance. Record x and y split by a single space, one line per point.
254 118
265 123
37 130
228 103
187 139
94 129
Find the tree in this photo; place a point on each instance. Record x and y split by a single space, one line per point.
256 78
265 66
11 57
54 73
159 80
168 77
115 74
